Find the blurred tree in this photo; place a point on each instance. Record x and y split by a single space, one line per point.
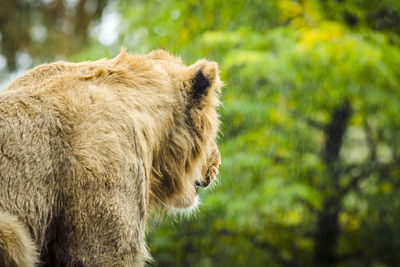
381 15
59 25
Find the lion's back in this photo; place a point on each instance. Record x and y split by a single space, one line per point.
49 74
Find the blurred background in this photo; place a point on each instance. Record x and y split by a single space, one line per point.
310 137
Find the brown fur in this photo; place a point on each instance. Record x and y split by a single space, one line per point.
86 149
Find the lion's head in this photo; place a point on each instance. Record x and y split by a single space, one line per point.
188 158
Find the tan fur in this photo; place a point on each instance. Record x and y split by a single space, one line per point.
16 247
86 149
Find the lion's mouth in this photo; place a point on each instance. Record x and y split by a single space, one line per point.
206 182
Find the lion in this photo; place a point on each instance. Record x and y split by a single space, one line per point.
88 149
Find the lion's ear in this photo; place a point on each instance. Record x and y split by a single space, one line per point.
202 76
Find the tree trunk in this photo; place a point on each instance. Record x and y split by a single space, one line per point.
327 232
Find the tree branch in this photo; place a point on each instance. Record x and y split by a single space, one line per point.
311 122
365 171
306 204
